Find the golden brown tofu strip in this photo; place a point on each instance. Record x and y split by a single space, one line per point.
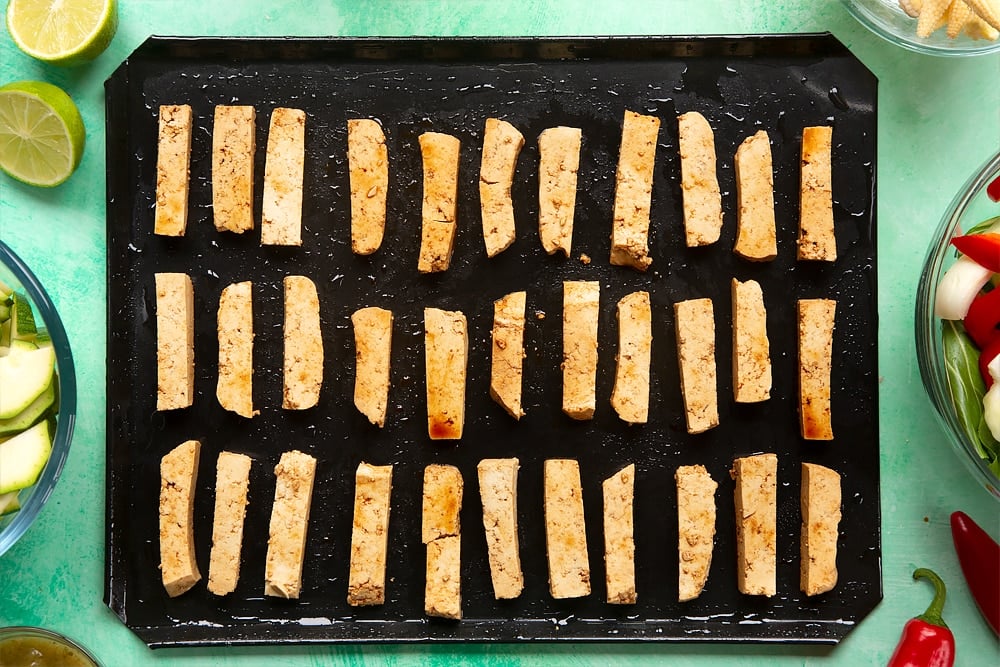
634 191
558 164
699 181
756 523
756 238
816 234
440 161
751 349
372 351
619 543
501 145
506 376
446 352
695 529
816 323
178 476
303 373
498 492
235 330
630 396
581 308
281 207
695 324
232 479
286 542
368 165
234 142
370 535
820 503
565 530
174 341
173 160
441 532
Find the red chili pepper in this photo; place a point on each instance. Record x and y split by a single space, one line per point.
926 640
993 189
988 354
983 249
979 557
983 319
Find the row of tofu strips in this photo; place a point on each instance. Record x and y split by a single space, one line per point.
446 351
565 528
559 157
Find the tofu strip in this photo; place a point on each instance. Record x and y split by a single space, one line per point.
286 542
174 341
439 153
178 475
634 191
441 532
173 165
581 309
446 351
565 530
281 207
695 529
232 479
368 166
234 143
695 324
372 352
816 323
498 492
370 535
751 349
558 165
820 502
630 396
699 180
619 544
756 238
235 329
303 358
501 145
506 376
817 240
756 523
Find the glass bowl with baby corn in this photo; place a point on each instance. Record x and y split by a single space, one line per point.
936 27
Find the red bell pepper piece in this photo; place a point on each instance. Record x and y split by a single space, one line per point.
983 249
993 189
988 354
926 640
979 557
982 322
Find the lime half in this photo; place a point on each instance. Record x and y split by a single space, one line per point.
62 32
41 133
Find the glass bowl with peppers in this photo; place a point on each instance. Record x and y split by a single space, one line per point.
958 324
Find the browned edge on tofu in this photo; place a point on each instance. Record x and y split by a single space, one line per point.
289 524
619 541
817 239
372 354
284 169
815 343
695 326
368 168
756 235
173 169
178 477
234 143
446 353
501 145
565 530
439 153
630 395
755 497
751 348
507 364
440 531
234 388
174 341
369 535
232 480
498 493
634 191
700 193
695 529
581 313
820 502
558 166
303 338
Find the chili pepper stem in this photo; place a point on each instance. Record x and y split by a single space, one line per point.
935 610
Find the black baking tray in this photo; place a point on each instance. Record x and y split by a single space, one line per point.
740 83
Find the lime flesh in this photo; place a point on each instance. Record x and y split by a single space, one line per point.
41 133
62 32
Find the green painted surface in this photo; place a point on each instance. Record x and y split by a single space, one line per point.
938 120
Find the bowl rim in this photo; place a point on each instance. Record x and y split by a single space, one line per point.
15 631
930 351
859 9
62 439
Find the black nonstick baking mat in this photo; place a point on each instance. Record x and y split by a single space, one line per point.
741 84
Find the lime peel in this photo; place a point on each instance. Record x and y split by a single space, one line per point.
41 133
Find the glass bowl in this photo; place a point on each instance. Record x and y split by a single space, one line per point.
970 207
16 274
57 649
887 19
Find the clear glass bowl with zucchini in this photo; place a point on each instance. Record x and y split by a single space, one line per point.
37 397
958 324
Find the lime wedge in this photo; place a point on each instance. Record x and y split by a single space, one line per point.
41 133
62 32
